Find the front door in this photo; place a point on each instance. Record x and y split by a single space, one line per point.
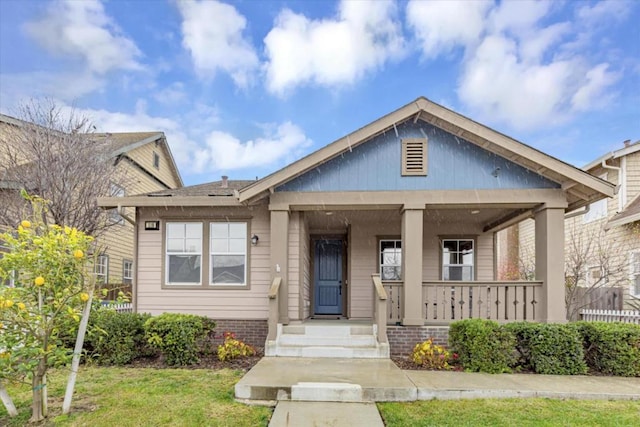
328 277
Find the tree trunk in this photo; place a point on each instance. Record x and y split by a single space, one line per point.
38 406
8 403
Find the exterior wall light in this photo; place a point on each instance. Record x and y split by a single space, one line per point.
254 240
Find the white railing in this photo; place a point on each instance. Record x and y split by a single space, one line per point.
380 308
624 316
122 307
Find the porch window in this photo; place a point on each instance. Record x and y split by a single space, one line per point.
101 269
228 250
635 274
184 253
391 259
457 259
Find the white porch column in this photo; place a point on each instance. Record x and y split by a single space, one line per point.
280 258
550 265
412 220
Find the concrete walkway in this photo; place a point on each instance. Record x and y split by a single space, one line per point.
342 392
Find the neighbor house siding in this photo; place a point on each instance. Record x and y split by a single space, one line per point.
144 157
246 303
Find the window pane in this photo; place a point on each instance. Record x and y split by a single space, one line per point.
193 230
175 229
467 273
192 245
450 258
465 246
175 245
637 286
237 245
238 230
219 230
455 273
228 269
219 245
450 245
184 268
467 258
390 273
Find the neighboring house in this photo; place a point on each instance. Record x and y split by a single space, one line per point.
602 241
146 162
415 197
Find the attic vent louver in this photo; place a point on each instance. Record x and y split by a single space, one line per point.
414 156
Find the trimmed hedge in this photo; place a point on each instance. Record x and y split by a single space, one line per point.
117 338
611 348
482 345
180 337
548 348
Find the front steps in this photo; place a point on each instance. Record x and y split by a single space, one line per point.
327 339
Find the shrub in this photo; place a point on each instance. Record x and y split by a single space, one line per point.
431 356
117 338
180 337
482 345
233 348
548 348
612 348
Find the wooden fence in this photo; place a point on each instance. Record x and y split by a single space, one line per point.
624 316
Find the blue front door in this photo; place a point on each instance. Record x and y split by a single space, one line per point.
328 277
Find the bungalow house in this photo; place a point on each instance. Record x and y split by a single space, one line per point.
370 244
142 160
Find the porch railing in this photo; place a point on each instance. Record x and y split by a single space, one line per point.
444 301
274 311
380 308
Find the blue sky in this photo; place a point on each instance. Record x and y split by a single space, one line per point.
243 88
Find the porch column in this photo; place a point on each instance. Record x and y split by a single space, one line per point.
412 219
550 265
280 258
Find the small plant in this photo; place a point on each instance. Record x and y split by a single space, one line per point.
180 337
233 348
432 356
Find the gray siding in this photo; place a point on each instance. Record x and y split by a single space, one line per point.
453 164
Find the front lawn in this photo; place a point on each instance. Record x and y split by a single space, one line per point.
510 412
143 397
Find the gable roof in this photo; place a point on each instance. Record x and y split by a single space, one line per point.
581 187
630 214
120 143
616 154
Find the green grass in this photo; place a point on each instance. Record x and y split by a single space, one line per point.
142 397
510 412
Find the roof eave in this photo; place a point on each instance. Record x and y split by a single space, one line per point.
168 201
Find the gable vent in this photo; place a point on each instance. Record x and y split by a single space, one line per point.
414 156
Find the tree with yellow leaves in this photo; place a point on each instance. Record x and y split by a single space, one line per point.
51 285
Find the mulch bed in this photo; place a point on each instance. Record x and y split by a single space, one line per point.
206 362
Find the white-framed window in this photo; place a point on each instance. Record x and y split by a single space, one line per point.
183 253
116 190
390 259
127 271
101 269
634 276
228 253
458 259
156 160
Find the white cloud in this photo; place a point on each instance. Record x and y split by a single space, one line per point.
82 29
361 38
603 12
594 91
440 26
172 94
226 152
213 33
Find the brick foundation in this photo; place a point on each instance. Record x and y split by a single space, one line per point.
253 332
402 339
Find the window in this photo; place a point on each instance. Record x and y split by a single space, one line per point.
596 276
127 271
156 160
457 259
635 274
9 281
391 259
228 249
183 253
116 191
101 269
414 156
597 209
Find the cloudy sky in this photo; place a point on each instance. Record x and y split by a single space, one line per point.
242 88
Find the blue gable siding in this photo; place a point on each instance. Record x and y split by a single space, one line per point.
453 164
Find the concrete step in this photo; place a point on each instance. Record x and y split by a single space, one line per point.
328 330
380 351
328 340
